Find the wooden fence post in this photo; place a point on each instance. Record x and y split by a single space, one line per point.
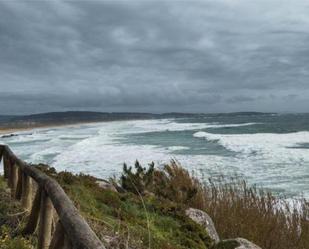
5 167
46 218
26 192
10 172
34 214
58 237
1 154
13 179
67 243
19 184
49 196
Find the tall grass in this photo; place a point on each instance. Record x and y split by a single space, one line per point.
238 210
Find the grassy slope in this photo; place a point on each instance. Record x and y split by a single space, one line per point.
12 218
133 220
126 219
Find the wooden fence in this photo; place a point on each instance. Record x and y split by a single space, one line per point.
71 230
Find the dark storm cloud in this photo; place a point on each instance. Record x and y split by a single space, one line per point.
198 56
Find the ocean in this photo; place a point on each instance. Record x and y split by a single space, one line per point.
268 150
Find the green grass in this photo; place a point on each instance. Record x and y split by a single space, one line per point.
237 209
126 216
153 215
12 219
136 220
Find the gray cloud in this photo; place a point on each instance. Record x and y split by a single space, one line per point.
156 56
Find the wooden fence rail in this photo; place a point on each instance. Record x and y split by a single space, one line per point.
71 230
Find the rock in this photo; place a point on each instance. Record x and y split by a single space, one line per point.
14 135
203 219
148 193
106 185
238 243
115 242
111 241
9 135
246 244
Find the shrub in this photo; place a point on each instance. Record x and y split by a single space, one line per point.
66 177
137 182
176 184
238 210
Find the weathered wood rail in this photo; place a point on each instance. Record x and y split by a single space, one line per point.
71 230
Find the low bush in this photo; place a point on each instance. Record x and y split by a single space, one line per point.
139 180
238 210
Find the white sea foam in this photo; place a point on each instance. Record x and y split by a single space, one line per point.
141 126
269 158
101 156
175 148
264 145
214 125
265 159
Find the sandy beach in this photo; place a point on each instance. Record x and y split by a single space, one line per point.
7 131
4 131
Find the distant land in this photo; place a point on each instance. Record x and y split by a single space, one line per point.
74 117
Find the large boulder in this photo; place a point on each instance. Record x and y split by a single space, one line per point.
114 242
238 243
106 185
203 219
246 244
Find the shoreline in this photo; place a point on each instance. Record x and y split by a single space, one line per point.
8 131
13 130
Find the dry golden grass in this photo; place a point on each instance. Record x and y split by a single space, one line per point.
238 210
242 211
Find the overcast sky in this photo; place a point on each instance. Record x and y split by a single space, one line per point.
154 56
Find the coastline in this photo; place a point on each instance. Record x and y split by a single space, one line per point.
8 131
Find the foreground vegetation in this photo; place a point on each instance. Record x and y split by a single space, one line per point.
12 218
238 210
148 211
